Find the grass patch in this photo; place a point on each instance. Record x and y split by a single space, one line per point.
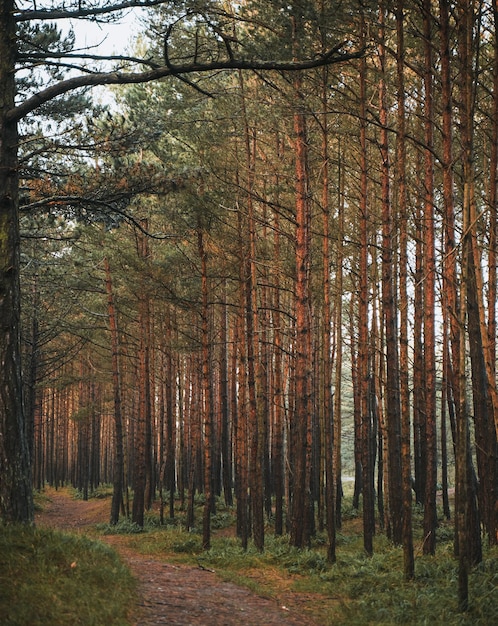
49 577
102 491
357 590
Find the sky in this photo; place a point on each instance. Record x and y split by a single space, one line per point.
109 38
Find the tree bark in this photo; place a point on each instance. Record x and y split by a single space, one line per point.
366 461
407 534
118 473
207 395
16 500
142 473
430 515
393 409
300 521
326 340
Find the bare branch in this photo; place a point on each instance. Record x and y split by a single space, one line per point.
37 56
82 13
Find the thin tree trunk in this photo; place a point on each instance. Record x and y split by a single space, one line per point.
326 394
363 343
278 395
393 409
467 533
206 398
450 302
142 442
224 404
300 521
407 534
118 471
430 516
338 310
240 400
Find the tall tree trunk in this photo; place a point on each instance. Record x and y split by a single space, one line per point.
207 394
240 401
408 557
16 500
278 395
449 300
118 471
169 385
253 377
326 340
419 437
468 536
193 418
492 263
367 469
430 516
224 403
393 409
142 443
338 311
300 521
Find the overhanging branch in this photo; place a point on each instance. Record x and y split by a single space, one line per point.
123 78
84 13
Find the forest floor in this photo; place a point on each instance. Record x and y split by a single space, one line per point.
170 593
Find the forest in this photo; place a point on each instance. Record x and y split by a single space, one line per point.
252 257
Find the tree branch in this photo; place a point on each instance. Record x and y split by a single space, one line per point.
40 56
123 78
81 13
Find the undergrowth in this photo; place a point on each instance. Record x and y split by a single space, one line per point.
49 577
356 590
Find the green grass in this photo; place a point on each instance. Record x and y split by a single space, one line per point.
49 577
357 590
38 584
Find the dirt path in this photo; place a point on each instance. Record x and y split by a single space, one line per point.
174 594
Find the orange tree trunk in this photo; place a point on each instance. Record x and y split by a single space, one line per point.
300 518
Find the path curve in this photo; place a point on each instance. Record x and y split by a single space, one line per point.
177 595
